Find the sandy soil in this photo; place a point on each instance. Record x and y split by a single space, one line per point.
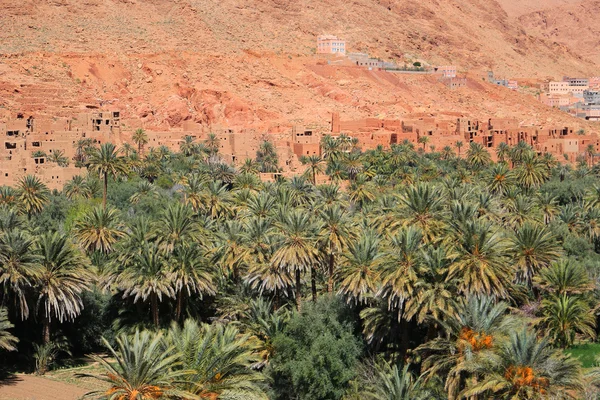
29 387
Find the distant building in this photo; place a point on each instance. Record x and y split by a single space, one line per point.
591 97
329 44
364 60
513 85
575 86
447 71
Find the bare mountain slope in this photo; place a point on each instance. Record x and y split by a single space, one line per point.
251 62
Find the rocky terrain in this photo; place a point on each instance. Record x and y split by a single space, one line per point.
252 63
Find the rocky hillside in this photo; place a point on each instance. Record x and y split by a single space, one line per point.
252 62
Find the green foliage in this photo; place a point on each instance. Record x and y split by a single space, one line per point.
316 354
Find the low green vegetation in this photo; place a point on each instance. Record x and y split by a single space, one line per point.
408 275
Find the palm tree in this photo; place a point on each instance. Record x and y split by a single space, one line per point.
359 271
249 167
61 280
140 138
502 151
7 340
216 200
393 383
143 189
144 369
298 250
8 196
590 152
478 156
99 230
19 269
335 235
106 161
533 247
191 274
500 179
212 143
473 329
423 140
423 206
58 157
187 146
315 165
76 187
32 195
526 368
217 361
147 276
192 191
458 146
266 157
481 266
564 316
176 225
532 172
548 205
564 276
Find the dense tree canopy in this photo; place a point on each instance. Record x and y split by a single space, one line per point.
406 275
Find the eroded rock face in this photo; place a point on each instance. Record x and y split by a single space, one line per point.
252 63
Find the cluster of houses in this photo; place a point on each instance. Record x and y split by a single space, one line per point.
330 44
579 97
29 142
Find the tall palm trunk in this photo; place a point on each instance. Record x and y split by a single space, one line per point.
313 282
154 305
105 190
46 329
331 269
179 308
298 293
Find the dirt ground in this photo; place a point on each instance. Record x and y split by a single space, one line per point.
30 387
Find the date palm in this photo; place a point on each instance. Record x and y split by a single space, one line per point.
502 151
335 236
315 165
61 280
144 189
147 277
565 316
394 383
473 329
144 369
481 266
359 271
8 196
32 195
191 274
525 367
564 276
176 225
192 191
58 157
216 200
106 162
297 250
478 156
548 206
532 171
458 146
99 229
217 360
423 206
532 247
76 187
212 143
7 340
399 273
19 269
500 179
140 138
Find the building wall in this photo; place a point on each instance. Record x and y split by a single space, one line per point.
328 44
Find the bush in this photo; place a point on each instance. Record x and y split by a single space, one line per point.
316 355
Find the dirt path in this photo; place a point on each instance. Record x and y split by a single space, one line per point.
29 387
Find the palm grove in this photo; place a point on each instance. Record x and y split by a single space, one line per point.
409 275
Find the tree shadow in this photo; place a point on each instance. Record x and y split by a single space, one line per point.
8 378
